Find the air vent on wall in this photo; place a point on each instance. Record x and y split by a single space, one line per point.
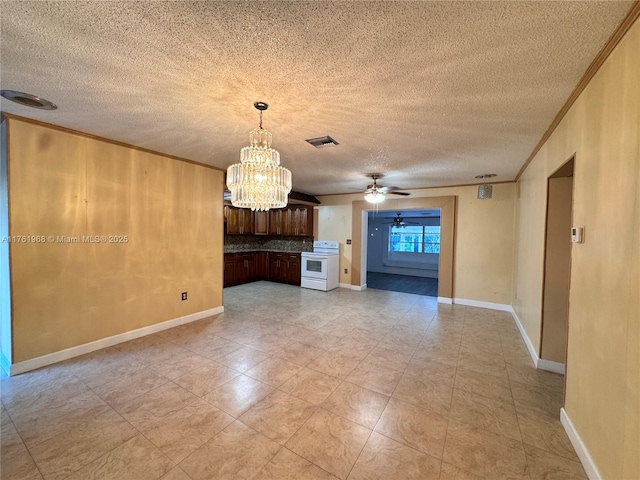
321 142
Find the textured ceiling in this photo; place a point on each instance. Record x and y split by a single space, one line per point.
428 93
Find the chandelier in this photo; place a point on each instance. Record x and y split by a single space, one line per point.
259 182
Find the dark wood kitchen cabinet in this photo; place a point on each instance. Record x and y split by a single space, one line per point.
229 269
293 269
238 221
245 267
293 221
284 267
262 267
248 267
301 221
277 267
279 221
261 223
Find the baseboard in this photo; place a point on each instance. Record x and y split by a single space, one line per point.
581 449
345 285
525 337
5 364
447 300
359 288
550 366
476 303
55 357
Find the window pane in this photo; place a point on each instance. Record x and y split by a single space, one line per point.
431 248
415 238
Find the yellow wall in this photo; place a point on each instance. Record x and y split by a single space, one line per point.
602 128
5 291
483 253
557 273
68 294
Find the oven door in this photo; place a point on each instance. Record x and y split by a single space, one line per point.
314 266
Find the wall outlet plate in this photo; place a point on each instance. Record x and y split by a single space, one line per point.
184 296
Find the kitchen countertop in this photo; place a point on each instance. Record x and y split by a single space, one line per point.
241 250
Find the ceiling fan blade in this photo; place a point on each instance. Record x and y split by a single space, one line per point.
405 194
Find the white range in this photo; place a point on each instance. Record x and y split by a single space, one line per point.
320 268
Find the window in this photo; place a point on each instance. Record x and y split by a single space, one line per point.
417 239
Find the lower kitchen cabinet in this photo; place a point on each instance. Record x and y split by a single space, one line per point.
229 269
262 267
248 267
293 269
245 267
284 267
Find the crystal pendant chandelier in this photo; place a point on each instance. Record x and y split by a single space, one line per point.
259 182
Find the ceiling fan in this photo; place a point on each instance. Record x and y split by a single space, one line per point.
375 192
399 222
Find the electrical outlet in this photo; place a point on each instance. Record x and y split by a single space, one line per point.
184 295
348 241
346 270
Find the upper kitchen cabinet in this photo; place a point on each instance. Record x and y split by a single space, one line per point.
301 221
295 221
238 221
292 221
279 221
261 223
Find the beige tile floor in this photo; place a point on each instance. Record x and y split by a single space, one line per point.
297 384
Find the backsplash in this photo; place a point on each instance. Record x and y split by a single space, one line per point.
247 243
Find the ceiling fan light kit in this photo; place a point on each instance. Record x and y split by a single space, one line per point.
259 182
399 221
485 192
375 197
377 193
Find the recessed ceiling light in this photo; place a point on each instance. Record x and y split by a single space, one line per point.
28 100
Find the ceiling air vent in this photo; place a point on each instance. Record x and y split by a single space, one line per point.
322 142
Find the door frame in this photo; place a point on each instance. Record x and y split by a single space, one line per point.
447 206
567 169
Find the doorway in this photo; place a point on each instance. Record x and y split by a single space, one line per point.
447 206
403 250
557 270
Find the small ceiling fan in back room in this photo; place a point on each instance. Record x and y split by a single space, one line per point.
399 222
375 193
